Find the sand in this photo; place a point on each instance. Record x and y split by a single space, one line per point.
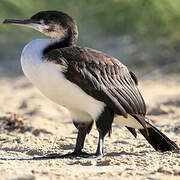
47 129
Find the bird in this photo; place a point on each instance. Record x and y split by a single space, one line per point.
93 86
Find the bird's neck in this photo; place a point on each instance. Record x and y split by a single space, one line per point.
67 40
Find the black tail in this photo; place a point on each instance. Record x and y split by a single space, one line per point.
158 140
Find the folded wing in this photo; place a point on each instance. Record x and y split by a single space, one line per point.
102 77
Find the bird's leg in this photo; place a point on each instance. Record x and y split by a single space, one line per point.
100 148
83 130
80 141
103 123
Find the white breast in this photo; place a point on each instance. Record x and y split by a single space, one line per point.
49 79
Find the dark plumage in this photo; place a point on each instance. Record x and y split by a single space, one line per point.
100 76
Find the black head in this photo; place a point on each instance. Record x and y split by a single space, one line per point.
55 24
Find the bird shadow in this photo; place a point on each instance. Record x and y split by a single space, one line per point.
48 157
68 156
65 156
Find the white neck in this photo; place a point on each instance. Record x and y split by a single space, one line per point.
31 56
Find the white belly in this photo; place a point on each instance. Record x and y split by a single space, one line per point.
49 79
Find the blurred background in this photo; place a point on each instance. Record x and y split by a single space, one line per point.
143 34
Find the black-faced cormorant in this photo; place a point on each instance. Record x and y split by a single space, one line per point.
90 84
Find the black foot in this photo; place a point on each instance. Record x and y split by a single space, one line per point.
99 154
96 156
69 155
76 154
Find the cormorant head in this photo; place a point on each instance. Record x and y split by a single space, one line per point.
55 24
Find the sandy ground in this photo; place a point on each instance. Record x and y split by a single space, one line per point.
47 129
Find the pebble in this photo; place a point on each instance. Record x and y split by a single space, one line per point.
165 170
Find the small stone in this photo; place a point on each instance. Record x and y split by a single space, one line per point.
177 172
165 170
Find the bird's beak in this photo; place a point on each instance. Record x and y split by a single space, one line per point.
25 22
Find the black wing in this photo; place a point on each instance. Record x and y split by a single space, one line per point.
102 77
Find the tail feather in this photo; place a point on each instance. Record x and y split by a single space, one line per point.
133 131
158 140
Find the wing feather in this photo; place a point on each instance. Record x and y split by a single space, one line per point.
102 77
